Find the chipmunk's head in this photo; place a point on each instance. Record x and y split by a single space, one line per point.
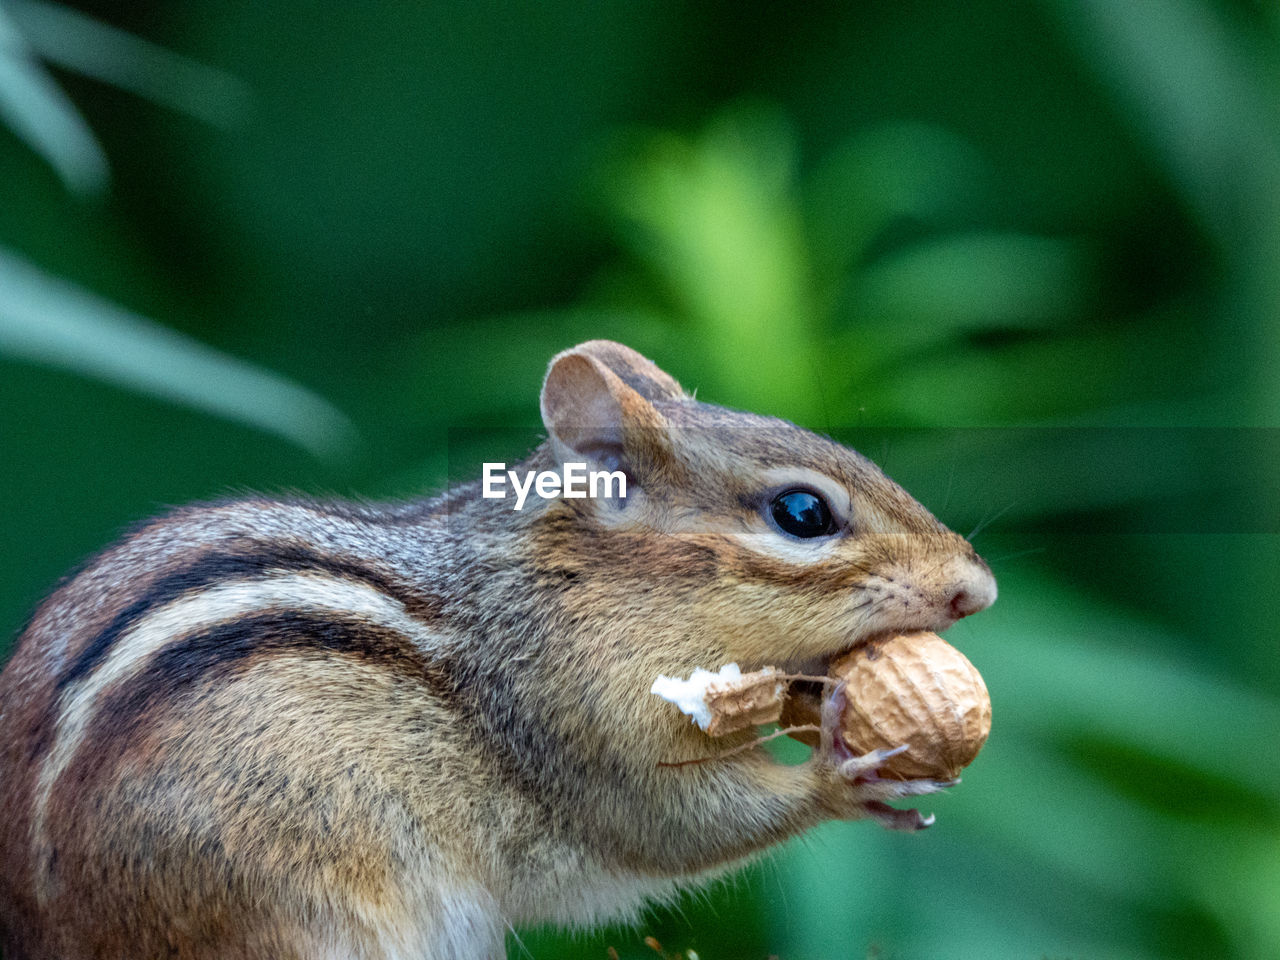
769 543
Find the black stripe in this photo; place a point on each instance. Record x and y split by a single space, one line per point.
213 568
179 667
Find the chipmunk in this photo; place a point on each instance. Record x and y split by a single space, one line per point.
291 729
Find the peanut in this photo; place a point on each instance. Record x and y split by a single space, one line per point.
914 689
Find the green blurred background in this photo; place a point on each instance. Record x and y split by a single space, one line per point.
1027 255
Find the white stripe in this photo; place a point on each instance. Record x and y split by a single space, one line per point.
307 592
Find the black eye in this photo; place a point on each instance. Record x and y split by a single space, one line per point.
802 513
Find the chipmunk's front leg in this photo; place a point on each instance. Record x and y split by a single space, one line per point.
727 808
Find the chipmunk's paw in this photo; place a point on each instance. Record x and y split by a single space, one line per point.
860 792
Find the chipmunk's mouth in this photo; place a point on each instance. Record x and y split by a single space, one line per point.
808 692
821 666
813 682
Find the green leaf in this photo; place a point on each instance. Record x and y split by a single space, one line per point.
46 320
77 42
40 114
939 289
715 221
914 170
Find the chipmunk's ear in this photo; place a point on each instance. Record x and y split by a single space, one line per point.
641 375
596 404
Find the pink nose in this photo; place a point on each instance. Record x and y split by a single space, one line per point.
974 592
964 603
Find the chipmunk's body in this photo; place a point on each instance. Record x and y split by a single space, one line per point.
266 729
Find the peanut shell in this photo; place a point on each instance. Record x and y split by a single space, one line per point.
914 689
752 700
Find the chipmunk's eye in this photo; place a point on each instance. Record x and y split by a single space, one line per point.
802 513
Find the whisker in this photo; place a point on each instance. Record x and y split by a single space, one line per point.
1016 554
992 518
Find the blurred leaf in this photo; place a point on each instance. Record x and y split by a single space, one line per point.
1094 478
1044 380
1060 667
964 283
773 273
49 321
73 40
1071 682
33 106
715 221
890 171
1194 86
1205 97
1242 883
520 345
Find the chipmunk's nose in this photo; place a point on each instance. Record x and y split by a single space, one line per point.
973 590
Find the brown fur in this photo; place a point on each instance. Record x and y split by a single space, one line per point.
287 729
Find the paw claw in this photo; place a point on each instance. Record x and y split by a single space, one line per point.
915 788
893 819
